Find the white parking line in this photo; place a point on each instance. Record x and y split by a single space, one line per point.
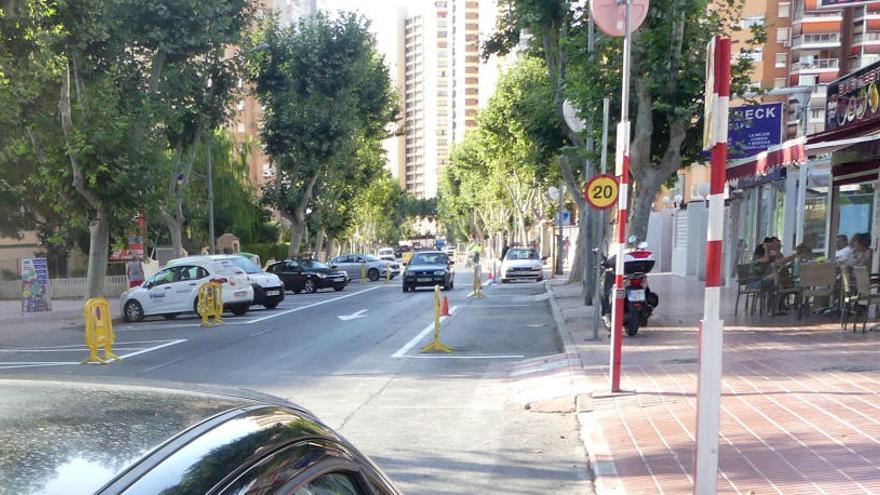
473 356
282 313
415 340
38 364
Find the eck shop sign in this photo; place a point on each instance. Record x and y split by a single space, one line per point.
853 101
752 129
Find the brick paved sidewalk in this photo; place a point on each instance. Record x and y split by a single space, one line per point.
800 404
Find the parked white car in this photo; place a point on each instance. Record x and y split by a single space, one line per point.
386 254
268 288
521 263
174 290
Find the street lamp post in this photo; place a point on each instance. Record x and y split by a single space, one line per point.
211 204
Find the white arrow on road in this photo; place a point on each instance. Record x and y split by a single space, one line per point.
353 316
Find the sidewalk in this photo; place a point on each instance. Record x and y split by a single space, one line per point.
66 315
800 402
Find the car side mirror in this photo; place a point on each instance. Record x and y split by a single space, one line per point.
147 285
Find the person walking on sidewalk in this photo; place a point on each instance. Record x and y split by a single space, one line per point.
565 245
134 270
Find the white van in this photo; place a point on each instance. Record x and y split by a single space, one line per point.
386 254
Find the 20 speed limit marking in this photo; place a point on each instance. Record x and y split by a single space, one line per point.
601 192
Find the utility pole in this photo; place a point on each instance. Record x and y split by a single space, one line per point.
559 253
598 293
589 259
211 202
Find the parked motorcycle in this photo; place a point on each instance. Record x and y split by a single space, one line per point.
639 301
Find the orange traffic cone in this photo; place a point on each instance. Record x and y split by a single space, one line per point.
444 309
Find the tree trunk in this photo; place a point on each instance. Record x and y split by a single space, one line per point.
297 230
175 230
648 187
319 240
99 243
577 264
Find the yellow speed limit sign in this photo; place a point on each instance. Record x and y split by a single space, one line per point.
601 191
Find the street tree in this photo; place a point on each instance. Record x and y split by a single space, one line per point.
667 82
323 88
198 87
98 121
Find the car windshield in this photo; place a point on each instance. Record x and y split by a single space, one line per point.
245 264
429 259
522 254
226 265
312 265
386 251
370 258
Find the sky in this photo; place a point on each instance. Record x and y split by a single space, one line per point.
380 12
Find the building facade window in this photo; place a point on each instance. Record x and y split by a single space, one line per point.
782 35
781 60
784 10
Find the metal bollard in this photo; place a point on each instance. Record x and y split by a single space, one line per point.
363 272
99 330
435 344
478 283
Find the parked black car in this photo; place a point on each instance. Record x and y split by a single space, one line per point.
78 438
427 269
308 275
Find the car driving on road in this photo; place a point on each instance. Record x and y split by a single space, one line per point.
427 269
174 290
386 254
521 264
374 268
63 438
308 275
268 288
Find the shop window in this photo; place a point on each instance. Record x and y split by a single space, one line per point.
816 210
856 204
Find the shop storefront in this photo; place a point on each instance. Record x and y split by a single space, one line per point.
852 136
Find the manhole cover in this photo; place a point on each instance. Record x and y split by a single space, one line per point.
854 368
680 361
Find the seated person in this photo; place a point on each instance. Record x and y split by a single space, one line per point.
844 252
861 250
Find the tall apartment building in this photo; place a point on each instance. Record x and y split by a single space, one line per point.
803 48
245 123
442 82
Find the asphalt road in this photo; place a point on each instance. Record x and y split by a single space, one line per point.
437 423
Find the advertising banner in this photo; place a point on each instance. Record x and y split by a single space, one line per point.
752 129
35 285
853 101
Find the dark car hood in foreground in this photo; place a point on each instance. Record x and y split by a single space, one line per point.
72 438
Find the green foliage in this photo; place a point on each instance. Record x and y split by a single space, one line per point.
497 174
267 251
327 97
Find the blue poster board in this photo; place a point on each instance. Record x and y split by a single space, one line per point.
35 285
752 129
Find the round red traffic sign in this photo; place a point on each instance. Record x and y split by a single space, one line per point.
601 192
610 15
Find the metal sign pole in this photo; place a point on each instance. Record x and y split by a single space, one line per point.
711 334
600 238
622 166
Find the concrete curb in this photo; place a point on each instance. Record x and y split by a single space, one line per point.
583 398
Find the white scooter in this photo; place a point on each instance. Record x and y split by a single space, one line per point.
640 301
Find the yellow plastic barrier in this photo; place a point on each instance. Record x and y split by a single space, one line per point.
99 330
387 274
363 272
478 283
435 344
210 303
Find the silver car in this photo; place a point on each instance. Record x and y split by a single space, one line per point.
374 268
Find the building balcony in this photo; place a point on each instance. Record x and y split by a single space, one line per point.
867 39
862 15
815 41
816 65
818 16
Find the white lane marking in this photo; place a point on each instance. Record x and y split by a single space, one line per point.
276 315
37 364
353 316
154 348
499 306
483 356
425 331
4 366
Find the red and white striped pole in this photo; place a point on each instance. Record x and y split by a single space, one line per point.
712 326
622 171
